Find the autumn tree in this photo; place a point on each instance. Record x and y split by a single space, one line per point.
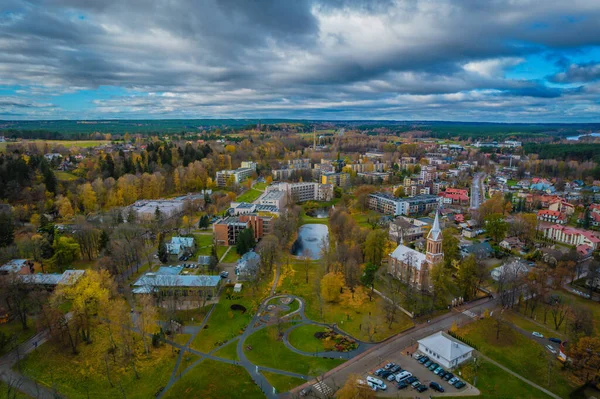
440 281
146 321
331 286
361 195
66 251
450 245
7 229
585 354
466 276
353 390
88 198
375 245
495 226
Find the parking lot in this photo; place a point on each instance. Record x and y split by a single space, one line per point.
408 363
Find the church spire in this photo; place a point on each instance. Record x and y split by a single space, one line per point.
435 231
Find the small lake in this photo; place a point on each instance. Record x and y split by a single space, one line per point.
309 238
574 138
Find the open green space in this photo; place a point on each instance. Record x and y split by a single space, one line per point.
83 375
221 250
531 325
229 351
305 219
282 383
362 219
215 380
260 186
303 338
249 196
4 388
65 176
231 257
203 245
518 353
224 323
14 329
187 360
181 339
354 313
269 350
495 383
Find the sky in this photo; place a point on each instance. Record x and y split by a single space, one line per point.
455 60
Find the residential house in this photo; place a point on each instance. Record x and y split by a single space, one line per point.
445 350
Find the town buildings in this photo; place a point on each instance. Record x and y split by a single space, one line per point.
571 236
390 205
445 350
304 191
227 230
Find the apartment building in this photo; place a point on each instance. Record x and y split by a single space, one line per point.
305 191
335 179
227 230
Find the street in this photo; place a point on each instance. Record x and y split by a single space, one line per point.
476 190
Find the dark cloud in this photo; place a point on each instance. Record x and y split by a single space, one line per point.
387 58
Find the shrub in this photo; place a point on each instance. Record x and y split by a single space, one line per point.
239 307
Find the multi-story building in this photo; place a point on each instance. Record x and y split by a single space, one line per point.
227 230
335 179
305 191
547 215
239 175
405 229
384 203
375 177
455 196
276 198
571 236
391 205
293 166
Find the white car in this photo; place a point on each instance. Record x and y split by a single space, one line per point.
537 334
551 349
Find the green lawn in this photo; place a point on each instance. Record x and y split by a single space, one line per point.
495 383
249 196
511 183
351 314
65 176
232 256
225 324
76 375
282 383
4 387
221 250
215 380
14 329
260 186
303 338
229 351
530 325
520 354
362 219
305 219
269 351
203 245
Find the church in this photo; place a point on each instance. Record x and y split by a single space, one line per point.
413 267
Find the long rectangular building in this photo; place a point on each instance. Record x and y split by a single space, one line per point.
390 205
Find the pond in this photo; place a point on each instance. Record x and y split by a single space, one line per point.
319 213
574 138
309 238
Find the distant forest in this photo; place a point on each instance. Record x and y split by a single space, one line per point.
72 129
565 152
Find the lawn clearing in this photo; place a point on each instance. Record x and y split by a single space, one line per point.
305 219
186 360
229 351
221 251
224 323
15 330
181 339
76 375
65 176
231 257
352 312
362 219
215 380
495 383
520 354
282 383
249 196
260 186
269 351
303 338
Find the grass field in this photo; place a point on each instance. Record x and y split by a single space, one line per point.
303 338
351 314
65 176
520 354
14 329
269 351
64 143
495 383
282 383
215 380
249 196
229 351
221 250
203 244
225 324
260 186
231 257
76 375
305 219
362 219
4 393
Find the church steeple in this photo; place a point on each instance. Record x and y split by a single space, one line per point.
435 252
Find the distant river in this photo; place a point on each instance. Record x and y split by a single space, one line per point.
310 237
574 138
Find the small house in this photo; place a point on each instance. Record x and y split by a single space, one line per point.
445 350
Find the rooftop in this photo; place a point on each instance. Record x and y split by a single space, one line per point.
446 346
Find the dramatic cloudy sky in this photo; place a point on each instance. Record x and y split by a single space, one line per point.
478 60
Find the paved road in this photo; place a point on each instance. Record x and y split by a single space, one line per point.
476 190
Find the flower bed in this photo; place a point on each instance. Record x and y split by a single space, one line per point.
336 342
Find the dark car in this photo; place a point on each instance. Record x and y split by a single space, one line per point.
555 340
459 384
448 376
423 359
428 363
421 388
402 385
385 374
412 379
435 386
442 374
433 366
396 368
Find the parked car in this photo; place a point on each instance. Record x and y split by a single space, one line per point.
422 388
435 386
385 374
418 357
396 368
537 334
555 340
448 376
391 377
402 385
442 373
378 372
224 274
452 380
423 359
438 371
389 366
433 366
412 379
306 391
428 363
459 384
415 384
551 349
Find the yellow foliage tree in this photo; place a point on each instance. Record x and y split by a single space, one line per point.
65 209
352 389
331 286
88 198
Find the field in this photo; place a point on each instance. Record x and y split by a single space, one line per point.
269 351
495 383
64 143
519 354
260 186
229 351
303 338
77 375
353 314
282 383
249 196
213 380
14 329
65 176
